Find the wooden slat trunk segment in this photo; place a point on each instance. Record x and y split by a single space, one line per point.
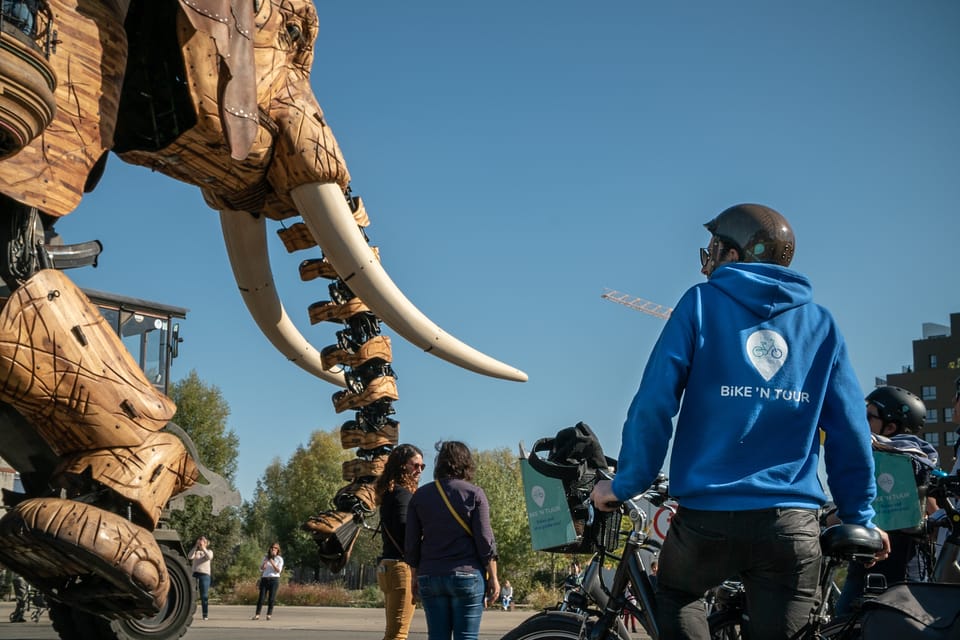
65 370
89 64
376 389
376 347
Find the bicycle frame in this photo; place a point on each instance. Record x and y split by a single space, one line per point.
947 566
631 590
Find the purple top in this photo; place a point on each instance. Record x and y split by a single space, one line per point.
435 542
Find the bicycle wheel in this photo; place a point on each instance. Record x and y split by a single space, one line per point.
554 625
726 625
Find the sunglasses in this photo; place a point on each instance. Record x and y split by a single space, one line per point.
873 416
704 257
418 467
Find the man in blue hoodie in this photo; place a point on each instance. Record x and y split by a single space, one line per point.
761 369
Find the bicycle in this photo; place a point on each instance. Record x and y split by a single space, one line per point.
945 489
594 610
765 348
839 545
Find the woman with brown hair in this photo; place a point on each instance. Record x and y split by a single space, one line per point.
269 581
394 488
450 546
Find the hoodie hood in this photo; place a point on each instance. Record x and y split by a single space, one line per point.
767 290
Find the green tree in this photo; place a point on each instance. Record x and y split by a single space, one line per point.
202 412
498 473
288 494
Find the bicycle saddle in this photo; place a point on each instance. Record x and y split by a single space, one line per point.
850 541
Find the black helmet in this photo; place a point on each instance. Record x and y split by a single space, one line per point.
900 407
759 233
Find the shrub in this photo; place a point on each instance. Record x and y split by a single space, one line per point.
292 594
540 597
370 596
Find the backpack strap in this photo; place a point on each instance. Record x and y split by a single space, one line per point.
443 494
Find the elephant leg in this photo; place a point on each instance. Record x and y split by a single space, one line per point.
90 558
68 374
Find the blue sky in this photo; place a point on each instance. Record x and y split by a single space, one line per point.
518 158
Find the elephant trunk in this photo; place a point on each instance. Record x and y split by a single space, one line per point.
333 226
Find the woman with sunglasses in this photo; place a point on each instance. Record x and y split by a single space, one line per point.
394 488
269 581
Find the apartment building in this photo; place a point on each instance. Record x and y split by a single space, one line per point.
936 365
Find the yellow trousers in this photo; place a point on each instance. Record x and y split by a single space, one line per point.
393 578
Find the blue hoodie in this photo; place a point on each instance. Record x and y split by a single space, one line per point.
760 367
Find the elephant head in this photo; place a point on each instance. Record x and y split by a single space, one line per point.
216 93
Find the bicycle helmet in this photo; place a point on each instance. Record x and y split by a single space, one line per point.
900 407
759 233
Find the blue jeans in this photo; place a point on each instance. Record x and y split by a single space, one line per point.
453 604
203 585
775 552
268 592
20 14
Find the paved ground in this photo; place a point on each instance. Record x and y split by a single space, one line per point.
288 623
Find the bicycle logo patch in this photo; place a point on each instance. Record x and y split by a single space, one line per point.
767 351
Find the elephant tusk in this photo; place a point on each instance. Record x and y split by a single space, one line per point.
246 241
327 215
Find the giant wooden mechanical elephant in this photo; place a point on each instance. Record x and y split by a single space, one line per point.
214 93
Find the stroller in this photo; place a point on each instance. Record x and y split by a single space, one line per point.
30 602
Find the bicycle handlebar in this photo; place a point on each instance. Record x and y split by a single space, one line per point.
656 495
942 488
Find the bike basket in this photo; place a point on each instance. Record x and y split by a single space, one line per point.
573 457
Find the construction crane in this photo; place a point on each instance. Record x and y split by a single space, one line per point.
651 308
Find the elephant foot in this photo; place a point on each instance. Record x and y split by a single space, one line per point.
85 557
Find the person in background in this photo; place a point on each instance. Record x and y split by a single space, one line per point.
895 416
270 570
395 488
21 589
760 369
942 534
506 596
200 556
21 13
450 544
574 579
